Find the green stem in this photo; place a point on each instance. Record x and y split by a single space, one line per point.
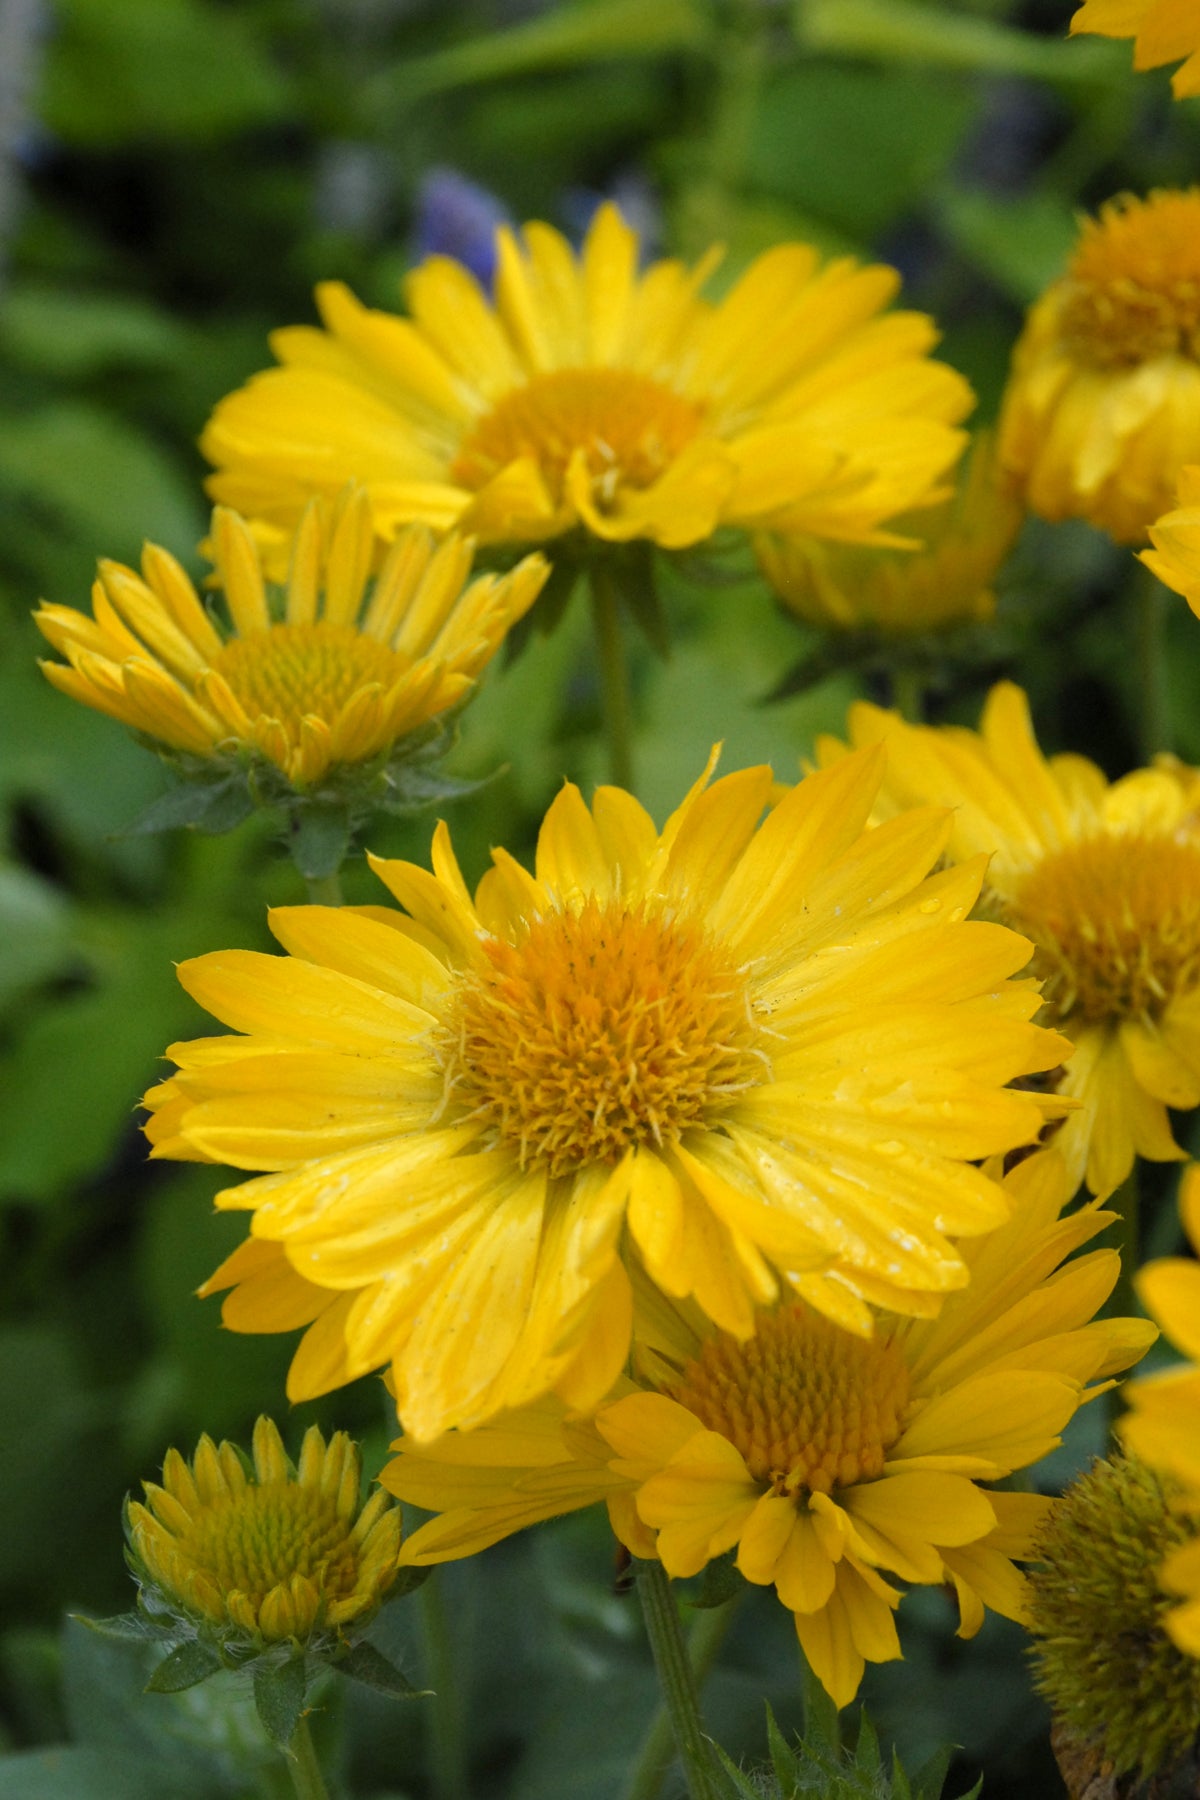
740 61
658 1746
324 890
908 693
676 1680
448 1736
305 1770
615 696
1154 713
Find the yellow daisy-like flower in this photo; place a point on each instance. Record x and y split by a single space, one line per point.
1163 1423
268 1553
1105 880
942 579
757 1054
592 395
1175 555
1163 31
1103 405
333 672
828 1461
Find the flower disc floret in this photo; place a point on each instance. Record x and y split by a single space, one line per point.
1102 407
758 1052
589 396
831 1464
1104 879
268 1553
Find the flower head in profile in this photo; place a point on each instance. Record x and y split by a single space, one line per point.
1174 555
832 1464
302 687
762 1055
1104 878
591 397
1163 31
1125 1696
252 1554
942 578
1102 409
1162 1425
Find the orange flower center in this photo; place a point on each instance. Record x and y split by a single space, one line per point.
598 1031
293 670
809 1405
626 428
1133 293
1116 922
258 1540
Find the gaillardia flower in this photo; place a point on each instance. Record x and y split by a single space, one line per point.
1103 405
944 578
1125 1698
763 1057
1163 1423
1105 880
591 396
1163 31
256 1555
332 674
1175 539
829 1462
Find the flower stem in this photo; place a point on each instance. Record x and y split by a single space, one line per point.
710 210
1154 711
305 1770
657 1747
448 1737
616 699
676 1680
908 693
324 890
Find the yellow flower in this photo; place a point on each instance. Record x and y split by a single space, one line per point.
590 395
333 672
754 1054
1103 405
942 579
268 1554
1175 556
829 1461
1163 31
1105 879
1163 1423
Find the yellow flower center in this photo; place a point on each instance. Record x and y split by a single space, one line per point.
257 1540
809 1406
1134 288
1116 922
598 1031
291 670
628 428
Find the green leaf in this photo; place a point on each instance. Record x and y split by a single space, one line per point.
75 335
187 1665
720 1582
637 579
129 1627
898 31
1023 244
367 1664
319 839
212 807
35 930
279 1691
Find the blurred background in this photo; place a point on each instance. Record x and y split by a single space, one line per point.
174 177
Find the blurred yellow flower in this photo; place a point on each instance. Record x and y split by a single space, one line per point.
592 396
1163 1423
1105 880
1103 404
944 578
755 1055
825 1459
331 673
1175 555
268 1553
1163 32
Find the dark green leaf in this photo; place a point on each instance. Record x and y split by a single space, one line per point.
130 1627
186 1665
212 807
279 1691
319 839
637 580
719 1583
367 1664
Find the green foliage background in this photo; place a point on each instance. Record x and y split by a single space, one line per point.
174 176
